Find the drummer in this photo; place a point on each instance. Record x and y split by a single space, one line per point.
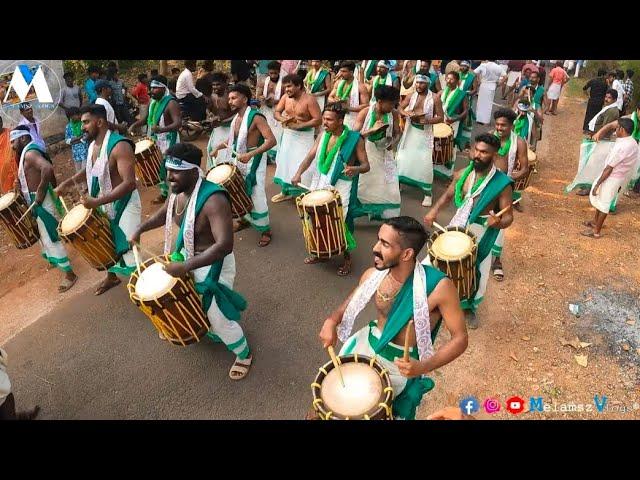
339 157
513 152
455 106
478 191
204 247
250 138
163 120
36 180
392 281
111 181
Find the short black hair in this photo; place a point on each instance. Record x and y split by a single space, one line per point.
613 92
602 72
630 73
626 124
336 107
274 65
154 71
94 110
73 111
186 152
505 113
241 88
68 75
620 74
93 69
191 64
348 65
220 77
388 93
294 79
142 76
160 78
173 70
489 140
23 128
411 231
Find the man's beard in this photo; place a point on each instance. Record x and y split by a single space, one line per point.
479 166
385 265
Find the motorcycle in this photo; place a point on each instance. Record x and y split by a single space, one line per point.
191 130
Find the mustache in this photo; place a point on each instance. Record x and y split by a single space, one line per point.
376 254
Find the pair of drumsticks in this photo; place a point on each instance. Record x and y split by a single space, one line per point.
33 204
499 214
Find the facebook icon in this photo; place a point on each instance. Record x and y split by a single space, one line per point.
469 405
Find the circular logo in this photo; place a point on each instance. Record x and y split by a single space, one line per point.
469 405
28 84
491 405
515 405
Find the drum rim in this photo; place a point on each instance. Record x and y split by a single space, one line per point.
450 130
153 143
334 197
386 396
438 233
81 224
234 168
142 270
15 196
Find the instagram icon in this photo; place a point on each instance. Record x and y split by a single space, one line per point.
491 405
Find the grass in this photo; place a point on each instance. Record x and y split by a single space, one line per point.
574 88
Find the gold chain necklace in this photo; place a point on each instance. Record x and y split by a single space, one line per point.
184 208
384 297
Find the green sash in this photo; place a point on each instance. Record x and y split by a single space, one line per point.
319 81
341 92
50 222
521 126
636 126
433 76
537 97
251 180
119 238
405 404
371 68
466 80
372 120
230 302
452 99
156 110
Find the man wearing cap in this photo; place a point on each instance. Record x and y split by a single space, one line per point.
26 110
421 110
111 181
104 90
36 180
383 77
249 137
163 121
203 248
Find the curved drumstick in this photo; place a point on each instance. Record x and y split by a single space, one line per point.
406 341
303 186
136 256
336 364
504 209
440 227
33 204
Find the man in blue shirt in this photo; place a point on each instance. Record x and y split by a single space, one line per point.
90 84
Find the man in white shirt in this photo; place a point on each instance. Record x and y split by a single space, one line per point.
490 72
104 90
192 101
617 85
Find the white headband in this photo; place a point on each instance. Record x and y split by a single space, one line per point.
157 84
17 134
423 78
175 163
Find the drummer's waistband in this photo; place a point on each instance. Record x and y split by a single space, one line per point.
391 351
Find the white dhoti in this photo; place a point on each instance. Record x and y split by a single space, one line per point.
229 331
553 93
274 125
379 189
5 383
294 147
496 251
321 102
259 216
604 201
129 223
218 135
445 172
486 93
512 78
415 163
53 251
593 156
350 119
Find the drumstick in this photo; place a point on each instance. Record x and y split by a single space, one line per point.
136 256
33 204
304 186
503 210
64 205
334 359
406 341
440 227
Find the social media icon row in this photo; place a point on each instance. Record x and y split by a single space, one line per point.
470 405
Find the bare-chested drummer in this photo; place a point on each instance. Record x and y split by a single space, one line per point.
299 114
222 115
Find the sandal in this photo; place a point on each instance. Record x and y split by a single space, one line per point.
344 269
265 239
311 260
591 234
103 287
498 274
66 284
240 368
280 197
589 223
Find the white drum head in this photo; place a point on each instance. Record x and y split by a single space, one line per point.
143 145
442 130
7 199
452 245
220 174
361 392
154 282
74 219
317 197
531 155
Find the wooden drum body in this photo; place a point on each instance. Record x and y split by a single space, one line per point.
442 144
367 393
229 177
454 253
322 223
172 304
12 207
148 161
90 233
523 182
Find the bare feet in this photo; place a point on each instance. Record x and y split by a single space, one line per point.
240 224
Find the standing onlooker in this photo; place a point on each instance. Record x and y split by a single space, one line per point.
70 95
514 71
90 84
204 81
118 91
193 102
288 66
141 93
628 92
262 70
32 123
73 136
240 71
173 80
616 84
597 89
558 79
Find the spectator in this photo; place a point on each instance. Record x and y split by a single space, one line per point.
240 71
192 100
70 95
141 93
628 92
73 136
203 83
173 80
616 84
90 84
597 89
118 90
558 79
